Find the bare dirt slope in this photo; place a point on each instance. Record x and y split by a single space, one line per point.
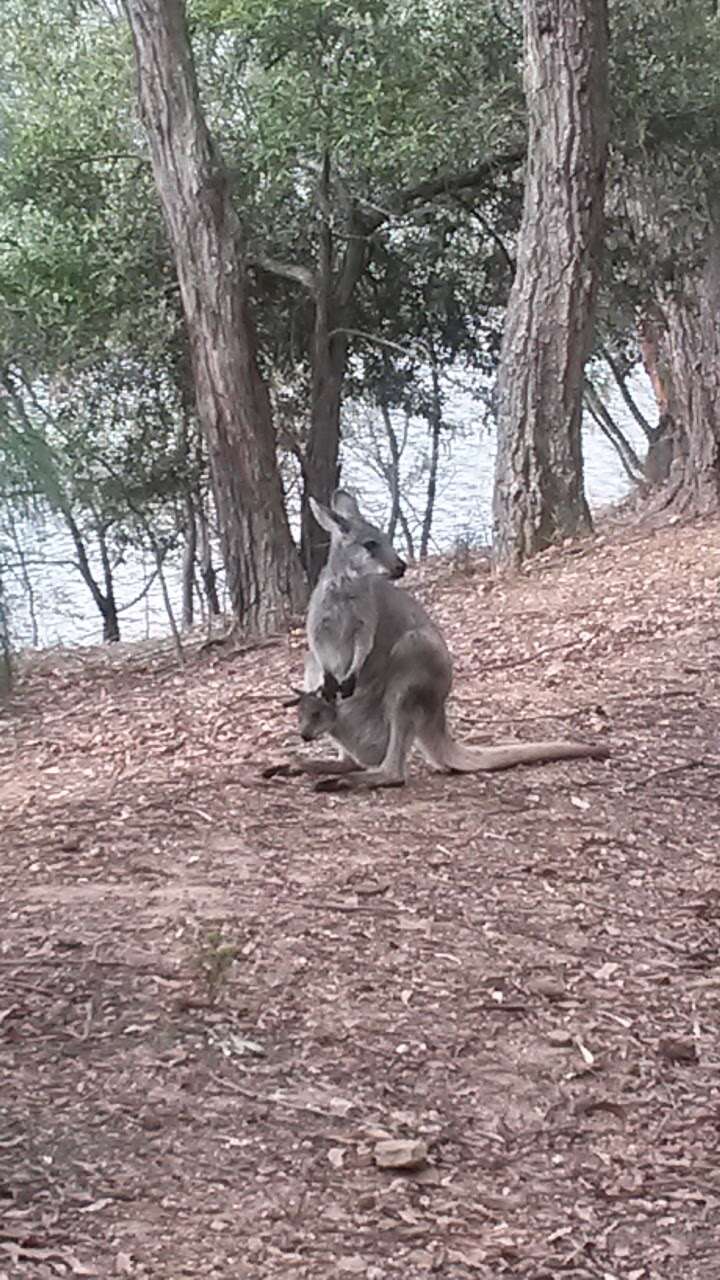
218 992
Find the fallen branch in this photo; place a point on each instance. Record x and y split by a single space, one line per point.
673 769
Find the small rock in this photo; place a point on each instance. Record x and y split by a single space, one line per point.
544 984
352 1265
400 1153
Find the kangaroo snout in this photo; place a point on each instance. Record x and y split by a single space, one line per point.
399 569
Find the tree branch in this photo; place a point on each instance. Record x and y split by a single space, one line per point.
444 184
367 219
286 270
619 377
420 347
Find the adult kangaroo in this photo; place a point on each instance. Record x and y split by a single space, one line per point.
378 646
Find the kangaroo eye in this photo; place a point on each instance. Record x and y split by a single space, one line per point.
370 545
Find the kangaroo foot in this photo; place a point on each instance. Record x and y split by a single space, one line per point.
282 771
365 780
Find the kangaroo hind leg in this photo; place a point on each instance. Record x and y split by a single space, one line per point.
391 773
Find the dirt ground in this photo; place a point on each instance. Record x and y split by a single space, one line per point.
218 993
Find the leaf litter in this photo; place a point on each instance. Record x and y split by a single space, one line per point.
222 996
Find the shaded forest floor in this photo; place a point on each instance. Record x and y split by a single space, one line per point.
218 992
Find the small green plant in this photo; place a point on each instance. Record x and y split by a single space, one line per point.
215 958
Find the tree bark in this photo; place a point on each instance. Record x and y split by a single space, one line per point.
692 354
320 465
264 576
539 493
207 568
665 441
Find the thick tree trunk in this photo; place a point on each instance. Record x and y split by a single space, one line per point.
263 570
539 493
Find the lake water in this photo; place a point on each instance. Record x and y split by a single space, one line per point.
65 613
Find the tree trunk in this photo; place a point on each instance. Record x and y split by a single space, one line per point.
665 442
264 576
188 567
27 582
435 429
392 471
5 654
321 472
207 569
320 467
107 601
692 351
539 493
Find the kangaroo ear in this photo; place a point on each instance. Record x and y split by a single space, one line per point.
327 519
343 504
323 516
295 700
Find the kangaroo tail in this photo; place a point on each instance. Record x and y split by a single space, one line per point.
446 754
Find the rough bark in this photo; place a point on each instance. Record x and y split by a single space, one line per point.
692 355
539 493
263 571
666 440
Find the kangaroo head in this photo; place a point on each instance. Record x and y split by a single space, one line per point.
316 716
360 547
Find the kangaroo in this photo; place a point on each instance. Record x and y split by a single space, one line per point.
366 737
371 640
